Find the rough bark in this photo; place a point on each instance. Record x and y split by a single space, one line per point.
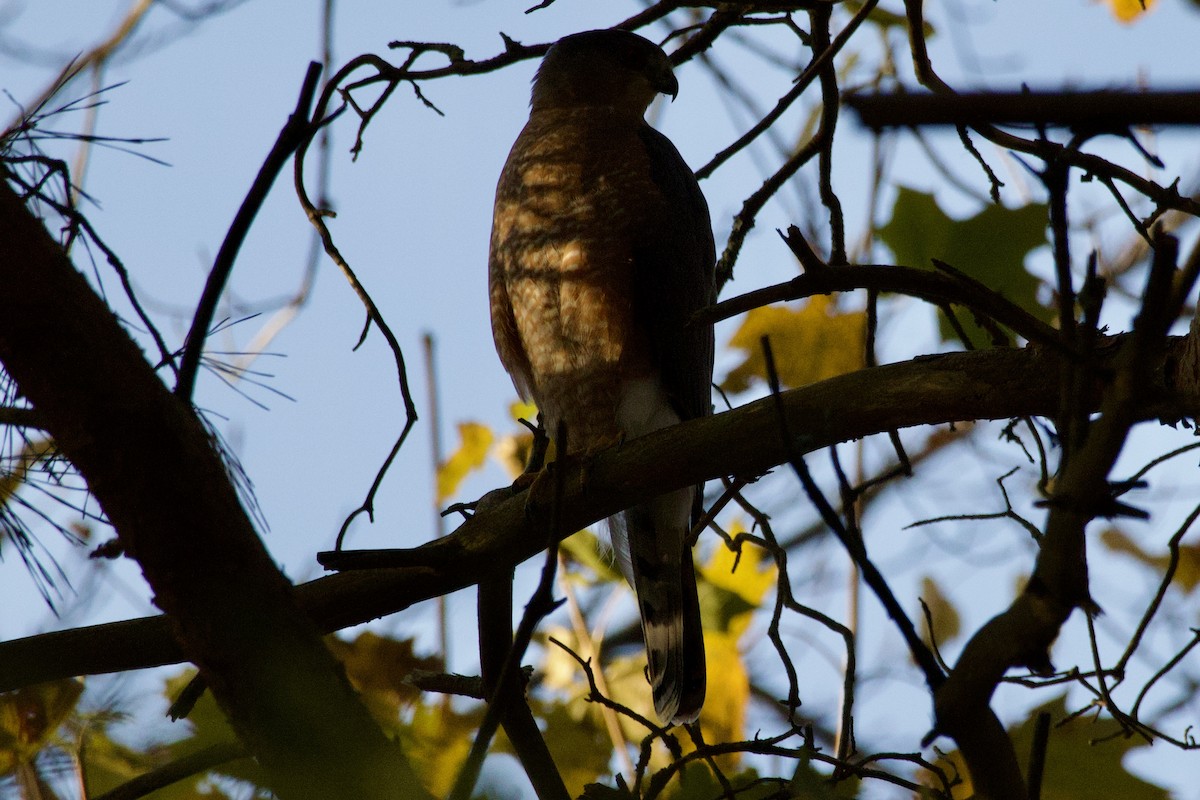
154 470
992 384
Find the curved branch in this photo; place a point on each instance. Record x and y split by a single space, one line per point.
785 102
1164 196
991 384
295 130
1023 633
374 315
934 287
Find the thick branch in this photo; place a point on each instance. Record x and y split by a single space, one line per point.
1165 197
153 468
991 384
934 287
1022 635
20 417
1103 110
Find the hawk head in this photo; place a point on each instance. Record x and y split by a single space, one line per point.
611 68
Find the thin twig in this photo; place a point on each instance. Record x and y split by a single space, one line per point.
294 132
934 676
373 315
592 649
179 769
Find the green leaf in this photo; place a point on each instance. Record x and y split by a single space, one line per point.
733 586
109 764
946 623
1082 762
208 728
598 791
720 607
30 716
585 550
990 247
578 743
697 782
812 785
1083 758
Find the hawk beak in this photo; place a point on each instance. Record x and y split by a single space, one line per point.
672 87
668 84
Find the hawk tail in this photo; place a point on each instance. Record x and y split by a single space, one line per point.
664 580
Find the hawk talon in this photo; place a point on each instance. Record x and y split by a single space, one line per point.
524 483
539 490
589 454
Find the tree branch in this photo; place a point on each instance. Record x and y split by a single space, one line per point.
991 384
297 128
1165 197
933 287
1112 110
152 466
1022 634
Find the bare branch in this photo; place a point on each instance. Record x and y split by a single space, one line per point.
295 130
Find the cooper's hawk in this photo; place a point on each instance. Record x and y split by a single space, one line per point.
601 251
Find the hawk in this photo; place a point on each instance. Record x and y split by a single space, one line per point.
601 252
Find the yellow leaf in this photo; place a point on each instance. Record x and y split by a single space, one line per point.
475 439
1129 10
626 677
18 467
437 742
728 600
1187 571
1117 541
946 623
520 410
811 343
738 594
513 453
748 578
378 667
30 716
723 718
1187 574
558 671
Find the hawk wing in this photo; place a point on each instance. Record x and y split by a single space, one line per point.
675 265
674 269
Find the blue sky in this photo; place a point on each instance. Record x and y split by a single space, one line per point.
414 216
